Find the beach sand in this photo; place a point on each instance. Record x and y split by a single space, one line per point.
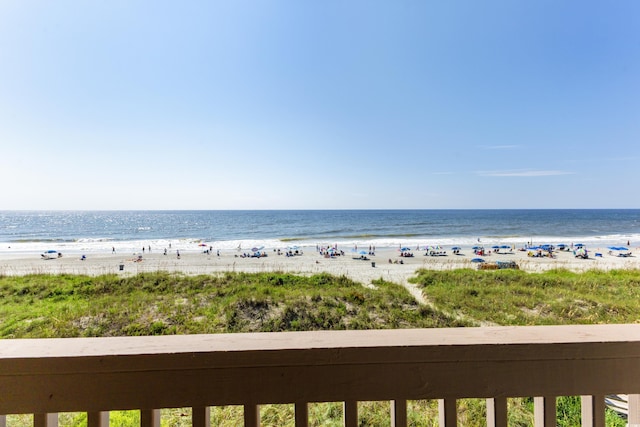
310 262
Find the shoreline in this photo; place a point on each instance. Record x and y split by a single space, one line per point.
387 263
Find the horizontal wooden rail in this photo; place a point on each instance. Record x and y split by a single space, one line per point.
45 376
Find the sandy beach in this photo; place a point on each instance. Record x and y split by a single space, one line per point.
387 263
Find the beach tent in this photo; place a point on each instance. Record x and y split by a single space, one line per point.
619 251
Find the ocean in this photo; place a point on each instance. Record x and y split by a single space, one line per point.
100 231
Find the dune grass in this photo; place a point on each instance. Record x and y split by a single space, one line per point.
162 303
513 297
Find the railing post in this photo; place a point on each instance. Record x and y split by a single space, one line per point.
3 421
251 415
150 418
302 414
399 413
98 419
634 410
351 413
544 411
592 411
447 412
45 420
497 412
201 416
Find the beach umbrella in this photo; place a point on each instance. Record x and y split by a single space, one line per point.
256 249
477 260
505 247
363 252
405 249
456 248
203 244
578 245
476 247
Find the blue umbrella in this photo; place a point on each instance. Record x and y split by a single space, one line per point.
505 247
456 248
477 260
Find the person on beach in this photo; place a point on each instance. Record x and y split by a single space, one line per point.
113 249
178 254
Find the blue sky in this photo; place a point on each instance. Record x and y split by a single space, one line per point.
319 104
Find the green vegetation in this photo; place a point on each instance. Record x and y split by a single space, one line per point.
513 297
163 303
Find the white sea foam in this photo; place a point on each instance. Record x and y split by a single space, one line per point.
105 245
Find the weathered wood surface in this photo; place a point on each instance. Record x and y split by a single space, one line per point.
99 374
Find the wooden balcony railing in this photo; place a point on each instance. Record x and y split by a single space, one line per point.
96 375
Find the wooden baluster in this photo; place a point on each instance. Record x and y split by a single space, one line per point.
634 410
3 421
592 411
45 420
497 412
447 412
399 413
251 415
351 413
302 414
98 419
544 411
150 418
201 416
